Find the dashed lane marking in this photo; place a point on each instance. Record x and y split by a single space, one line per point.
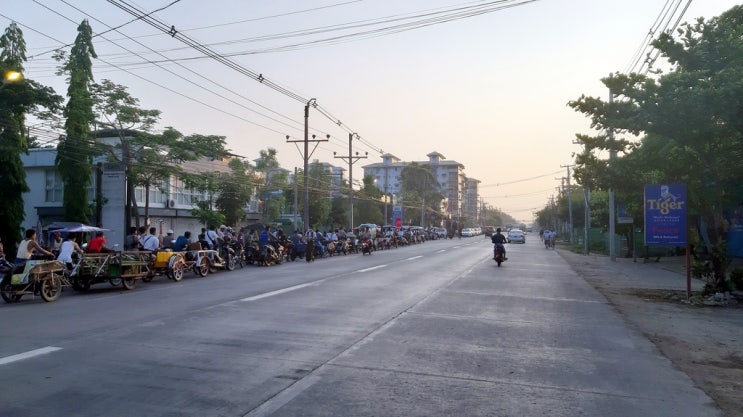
27 355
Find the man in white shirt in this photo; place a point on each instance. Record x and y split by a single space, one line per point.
150 242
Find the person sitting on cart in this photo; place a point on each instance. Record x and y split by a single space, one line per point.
202 241
98 244
181 244
69 247
30 248
56 243
131 242
168 240
150 241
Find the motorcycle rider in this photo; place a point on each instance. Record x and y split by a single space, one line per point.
498 240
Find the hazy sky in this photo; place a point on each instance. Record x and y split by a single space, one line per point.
488 91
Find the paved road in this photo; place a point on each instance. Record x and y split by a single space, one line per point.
433 329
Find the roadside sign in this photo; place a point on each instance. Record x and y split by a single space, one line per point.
665 214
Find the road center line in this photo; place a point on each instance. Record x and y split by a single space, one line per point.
442 250
277 292
27 355
372 268
414 257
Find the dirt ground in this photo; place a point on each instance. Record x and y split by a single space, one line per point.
704 341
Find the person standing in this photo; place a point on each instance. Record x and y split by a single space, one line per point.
310 236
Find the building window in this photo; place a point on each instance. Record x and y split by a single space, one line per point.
54 186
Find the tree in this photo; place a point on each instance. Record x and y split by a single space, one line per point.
271 192
368 203
16 100
420 193
691 114
74 152
319 191
118 111
234 192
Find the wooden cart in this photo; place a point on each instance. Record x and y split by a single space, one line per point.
45 278
116 268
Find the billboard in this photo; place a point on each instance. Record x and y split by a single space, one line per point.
665 214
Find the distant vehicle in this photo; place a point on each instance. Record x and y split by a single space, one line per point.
440 232
489 230
467 232
516 236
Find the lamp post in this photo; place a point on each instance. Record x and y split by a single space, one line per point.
10 77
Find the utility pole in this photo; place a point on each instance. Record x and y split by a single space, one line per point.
612 156
570 202
351 158
306 156
296 200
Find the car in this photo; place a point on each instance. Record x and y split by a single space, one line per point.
516 236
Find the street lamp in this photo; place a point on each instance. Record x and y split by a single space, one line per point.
11 77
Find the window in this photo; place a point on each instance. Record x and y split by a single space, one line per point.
54 186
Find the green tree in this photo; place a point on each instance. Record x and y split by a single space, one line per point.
120 113
368 204
17 99
234 192
319 191
275 180
75 152
420 194
689 116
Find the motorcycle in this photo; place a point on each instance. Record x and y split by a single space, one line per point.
366 247
498 255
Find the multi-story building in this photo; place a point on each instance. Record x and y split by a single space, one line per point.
450 178
169 204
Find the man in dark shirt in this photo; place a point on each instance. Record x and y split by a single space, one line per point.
498 240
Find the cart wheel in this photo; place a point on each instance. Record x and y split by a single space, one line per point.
7 292
203 267
175 268
114 282
81 284
129 283
51 289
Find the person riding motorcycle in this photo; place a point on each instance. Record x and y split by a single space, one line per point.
498 240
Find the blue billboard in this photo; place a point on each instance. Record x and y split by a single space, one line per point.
665 214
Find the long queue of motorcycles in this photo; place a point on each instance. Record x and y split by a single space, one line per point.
279 251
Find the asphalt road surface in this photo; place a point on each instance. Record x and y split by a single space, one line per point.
428 330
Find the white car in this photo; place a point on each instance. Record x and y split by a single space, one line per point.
516 236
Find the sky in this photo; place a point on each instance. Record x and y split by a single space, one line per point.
489 90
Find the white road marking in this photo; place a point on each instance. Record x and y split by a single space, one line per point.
442 250
372 268
414 257
277 292
27 355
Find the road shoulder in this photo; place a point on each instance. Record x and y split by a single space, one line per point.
703 342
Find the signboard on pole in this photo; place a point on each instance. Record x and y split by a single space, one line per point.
622 216
665 214
397 216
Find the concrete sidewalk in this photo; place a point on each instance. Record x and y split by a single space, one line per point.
702 341
667 274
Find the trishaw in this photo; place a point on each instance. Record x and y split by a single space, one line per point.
194 258
37 277
116 268
161 263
